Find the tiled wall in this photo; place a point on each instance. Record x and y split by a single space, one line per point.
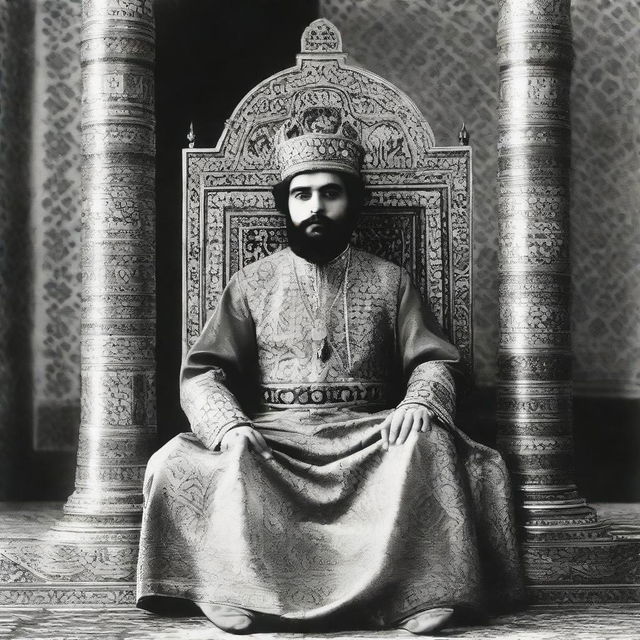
55 223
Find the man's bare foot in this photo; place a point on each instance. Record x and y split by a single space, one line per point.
231 619
427 621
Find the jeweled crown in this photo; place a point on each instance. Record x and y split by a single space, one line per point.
321 138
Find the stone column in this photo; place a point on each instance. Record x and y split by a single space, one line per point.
534 357
118 271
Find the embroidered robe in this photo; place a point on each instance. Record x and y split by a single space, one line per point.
332 525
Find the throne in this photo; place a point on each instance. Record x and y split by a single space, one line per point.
417 209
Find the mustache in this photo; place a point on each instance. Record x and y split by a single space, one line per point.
316 219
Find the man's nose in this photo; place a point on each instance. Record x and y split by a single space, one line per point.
317 203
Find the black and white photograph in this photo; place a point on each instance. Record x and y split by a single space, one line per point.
319 319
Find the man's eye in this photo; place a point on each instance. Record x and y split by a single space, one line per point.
332 194
301 195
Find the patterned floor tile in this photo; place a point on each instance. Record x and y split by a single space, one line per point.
27 519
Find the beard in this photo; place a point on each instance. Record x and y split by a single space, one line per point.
324 242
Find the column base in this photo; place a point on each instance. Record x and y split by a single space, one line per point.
49 560
563 519
105 504
597 561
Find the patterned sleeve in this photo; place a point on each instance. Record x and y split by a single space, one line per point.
427 357
221 360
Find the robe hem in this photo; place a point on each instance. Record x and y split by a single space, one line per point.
180 605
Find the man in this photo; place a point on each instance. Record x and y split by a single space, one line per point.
324 482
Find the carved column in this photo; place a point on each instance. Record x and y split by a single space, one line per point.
534 357
118 269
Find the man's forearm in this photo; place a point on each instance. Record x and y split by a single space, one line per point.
211 408
431 385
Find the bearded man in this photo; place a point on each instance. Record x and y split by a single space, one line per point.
325 482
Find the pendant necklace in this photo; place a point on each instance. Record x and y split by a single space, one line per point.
319 320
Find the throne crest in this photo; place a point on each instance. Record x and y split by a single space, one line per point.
417 209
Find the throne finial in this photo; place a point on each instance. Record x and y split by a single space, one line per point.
191 136
321 36
463 136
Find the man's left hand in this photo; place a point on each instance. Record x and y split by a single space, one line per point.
407 419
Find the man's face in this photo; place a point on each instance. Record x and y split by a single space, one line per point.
318 204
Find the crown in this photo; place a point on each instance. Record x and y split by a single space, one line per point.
321 138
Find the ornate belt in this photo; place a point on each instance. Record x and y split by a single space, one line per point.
325 394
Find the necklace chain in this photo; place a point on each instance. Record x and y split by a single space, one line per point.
319 332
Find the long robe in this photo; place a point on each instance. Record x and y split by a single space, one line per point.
332 526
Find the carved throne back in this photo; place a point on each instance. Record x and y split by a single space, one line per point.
418 197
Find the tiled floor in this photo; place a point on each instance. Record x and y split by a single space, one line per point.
22 519
619 622
593 622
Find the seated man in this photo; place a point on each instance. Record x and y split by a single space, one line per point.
324 481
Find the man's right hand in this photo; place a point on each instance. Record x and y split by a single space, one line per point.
246 435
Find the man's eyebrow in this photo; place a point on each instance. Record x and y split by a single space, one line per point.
329 185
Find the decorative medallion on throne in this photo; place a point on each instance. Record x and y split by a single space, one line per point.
418 196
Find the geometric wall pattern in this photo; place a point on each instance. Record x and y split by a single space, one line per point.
443 55
55 216
39 225
605 205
